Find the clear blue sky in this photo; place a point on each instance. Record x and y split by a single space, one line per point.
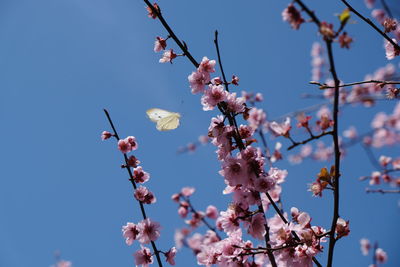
62 62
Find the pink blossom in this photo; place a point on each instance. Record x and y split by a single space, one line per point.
350 133
180 236
204 139
369 3
148 231
235 80
316 188
213 96
160 44
212 212
365 246
228 221
391 51
264 183
198 80
257 226
168 56
258 97
342 228
152 14
63 263
133 162
235 104
380 255
345 40
124 146
384 160
170 256
207 65
293 16
106 135
256 118
143 257
282 128
389 24
235 171
396 164
375 178
143 195
183 209
140 176
187 191
379 15
130 232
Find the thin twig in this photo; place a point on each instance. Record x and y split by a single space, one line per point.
396 46
386 8
313 137
323 86
131 179
382 191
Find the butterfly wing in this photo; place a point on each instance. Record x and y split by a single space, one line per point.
156 114
170 122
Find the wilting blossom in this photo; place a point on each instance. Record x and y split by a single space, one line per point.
293 16
160 44
143 257
365 246
130 232
148 231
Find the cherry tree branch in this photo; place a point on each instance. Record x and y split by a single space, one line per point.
323 86
313 137
368 21
131 179
382 191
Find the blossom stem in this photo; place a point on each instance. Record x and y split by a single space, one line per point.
397 47
131 179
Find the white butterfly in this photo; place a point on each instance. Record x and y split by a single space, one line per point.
166 120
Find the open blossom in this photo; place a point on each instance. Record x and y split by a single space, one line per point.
170 256
264 183
140 176
389 24
384 160
256 118
365 246
379 15
380 255
148 231
257 226
342 228
213 96
212 212
235 104
207 65
130 232
198 80
350 133
143 257
228 221
152 14
128 144
293 16
282 128
375 178
187 191
168 56
345 40
160 44
391 51
143 195
235 171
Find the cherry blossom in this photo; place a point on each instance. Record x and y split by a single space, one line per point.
143 257
148 231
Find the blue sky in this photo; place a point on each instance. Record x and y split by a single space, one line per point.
62 62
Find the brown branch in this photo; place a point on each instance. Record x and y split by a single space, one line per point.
313 137
323 86
368 21
382 191
131 179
